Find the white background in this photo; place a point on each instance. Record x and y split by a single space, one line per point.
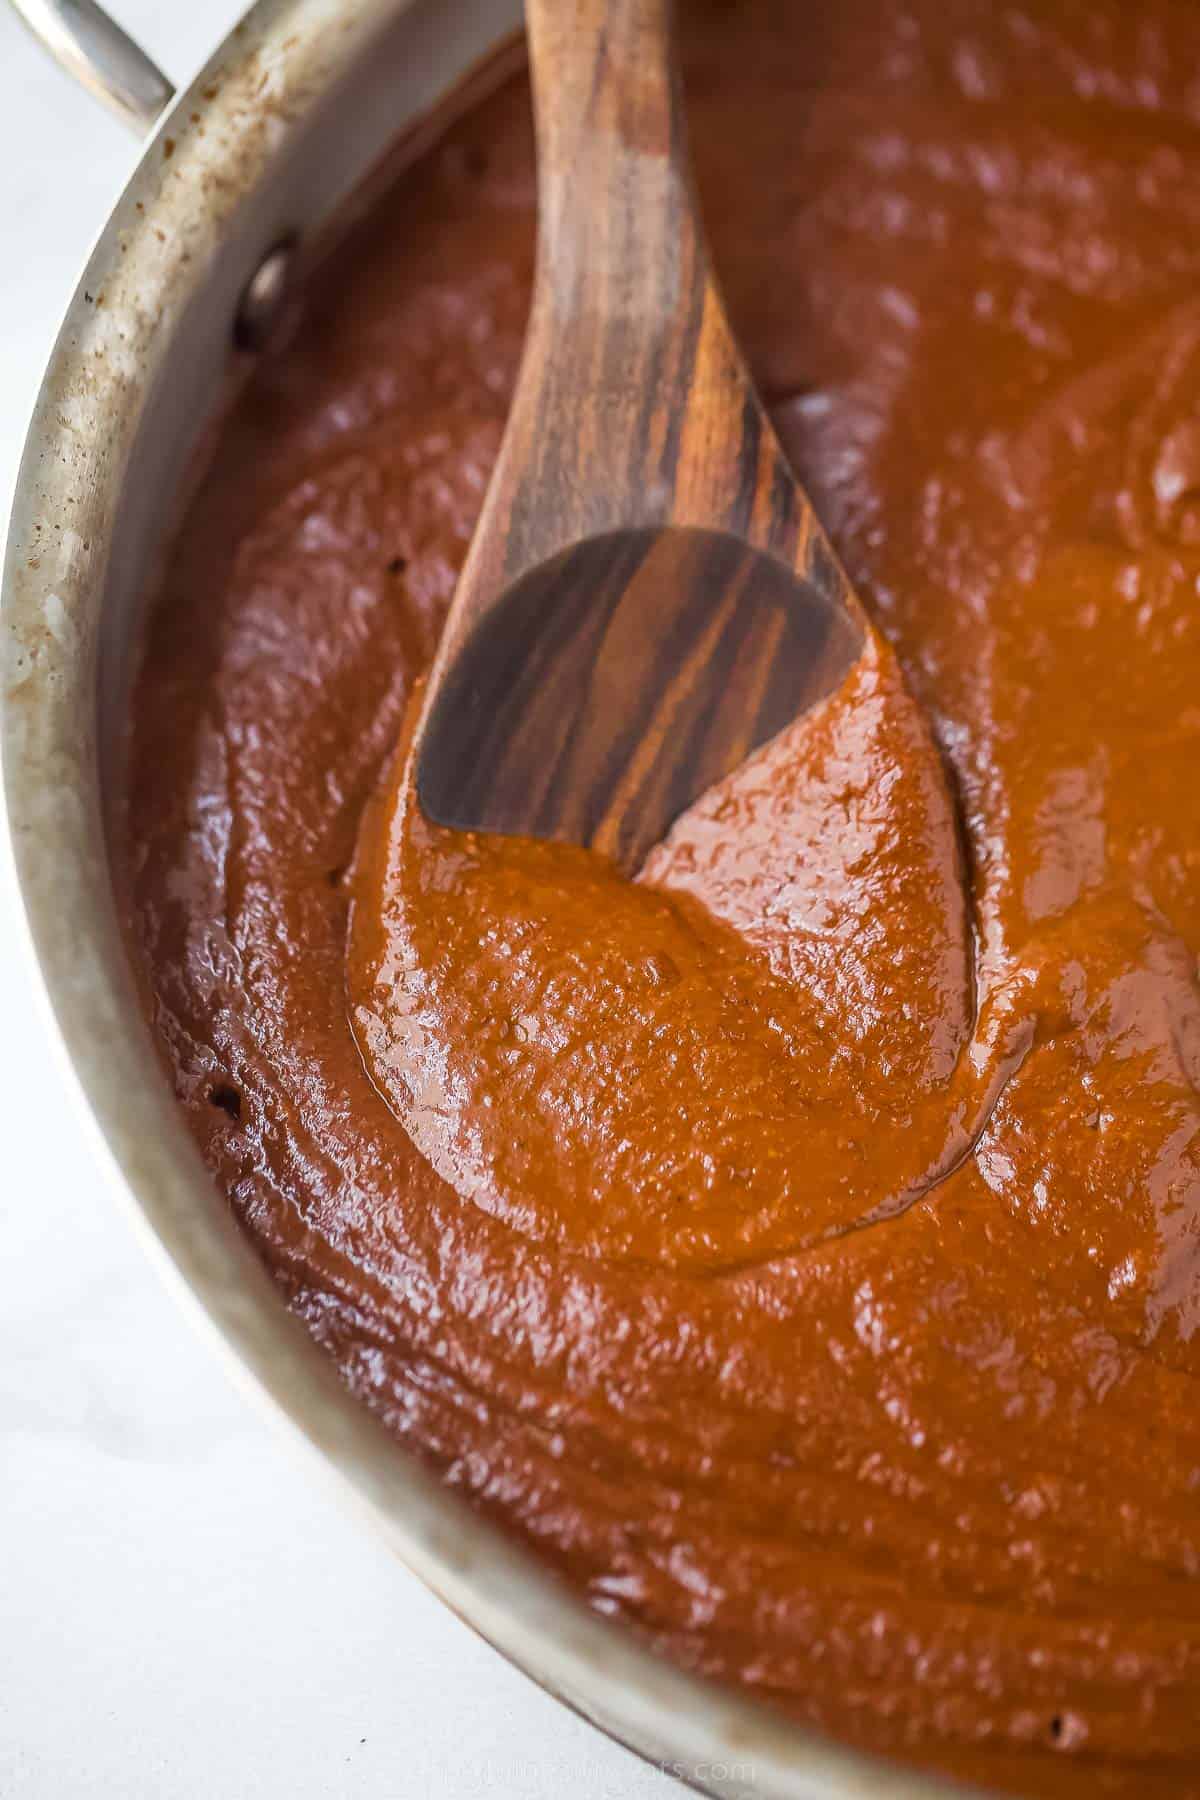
182 1615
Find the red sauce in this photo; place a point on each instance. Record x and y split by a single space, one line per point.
798 1247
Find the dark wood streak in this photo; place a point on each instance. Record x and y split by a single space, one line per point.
648 596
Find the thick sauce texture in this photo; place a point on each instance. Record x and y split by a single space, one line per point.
799 1246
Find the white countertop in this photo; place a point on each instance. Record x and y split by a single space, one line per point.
183 1615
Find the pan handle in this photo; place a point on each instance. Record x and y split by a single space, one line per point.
93 48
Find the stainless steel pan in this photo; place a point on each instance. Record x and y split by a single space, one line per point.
240 176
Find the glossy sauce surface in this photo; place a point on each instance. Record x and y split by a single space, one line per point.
798 1247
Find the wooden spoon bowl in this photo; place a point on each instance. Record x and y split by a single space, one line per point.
621 678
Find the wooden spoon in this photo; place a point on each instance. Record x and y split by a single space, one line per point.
649 595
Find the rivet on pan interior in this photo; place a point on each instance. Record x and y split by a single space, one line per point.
264 297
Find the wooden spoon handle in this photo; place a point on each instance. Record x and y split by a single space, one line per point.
615 193
626 311
633 409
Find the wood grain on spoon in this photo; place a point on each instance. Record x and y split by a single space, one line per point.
649 595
